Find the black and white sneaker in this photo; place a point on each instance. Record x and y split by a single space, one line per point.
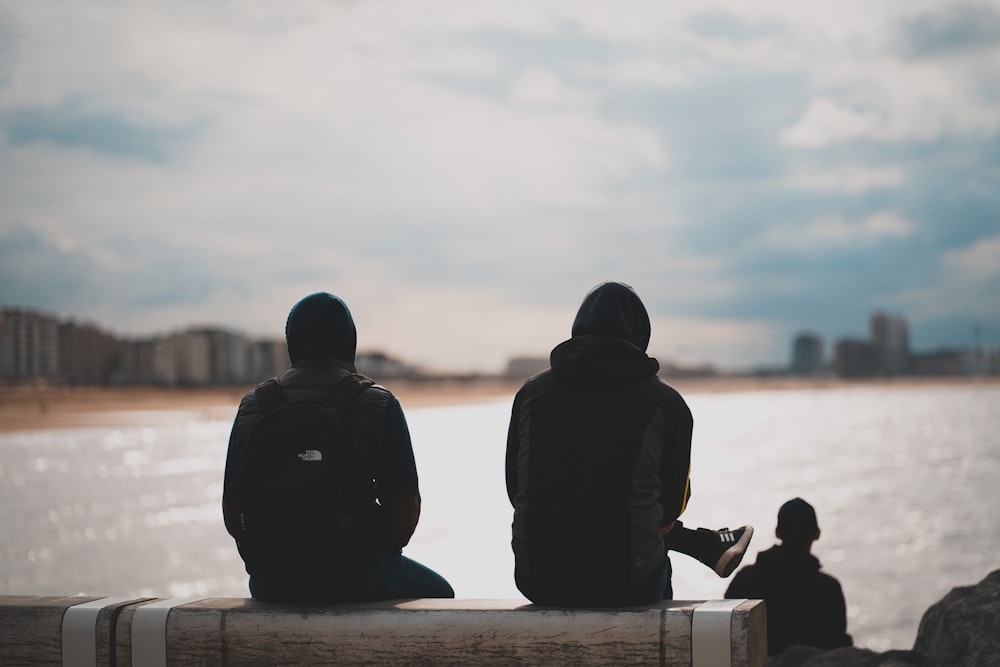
722 550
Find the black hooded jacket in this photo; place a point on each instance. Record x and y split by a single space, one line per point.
598 457
322 340
804 606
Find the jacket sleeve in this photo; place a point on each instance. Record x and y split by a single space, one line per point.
245 415
398 487
675 464
833 619
513 446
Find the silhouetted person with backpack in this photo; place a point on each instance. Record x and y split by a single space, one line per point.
804 606
320 489
598 463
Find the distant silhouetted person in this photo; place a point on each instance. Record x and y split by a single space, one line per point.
804 606
320 487
598 461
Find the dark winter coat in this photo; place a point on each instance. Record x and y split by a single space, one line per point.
598 457
804 606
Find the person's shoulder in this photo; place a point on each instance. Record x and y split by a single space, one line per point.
829 582
665 394
374 394
744 583
371 386
250 397
537 382
248 414
663 388
249 404
541 377
747 572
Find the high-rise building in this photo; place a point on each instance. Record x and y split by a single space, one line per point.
891 336
29 345
88 355
855 358
807 355
268 358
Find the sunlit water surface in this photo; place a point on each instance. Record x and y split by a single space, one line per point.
905 481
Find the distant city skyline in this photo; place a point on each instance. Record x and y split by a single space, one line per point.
47 346
462 173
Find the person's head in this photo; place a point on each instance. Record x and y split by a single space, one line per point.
797 526
320 328
613 309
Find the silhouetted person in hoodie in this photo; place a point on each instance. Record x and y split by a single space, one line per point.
322 341
804 606
597 466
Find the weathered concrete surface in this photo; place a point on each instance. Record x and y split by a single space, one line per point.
238 631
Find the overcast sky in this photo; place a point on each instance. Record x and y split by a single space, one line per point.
461 173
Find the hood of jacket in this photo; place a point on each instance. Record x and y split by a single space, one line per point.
320 328
610 336
613 309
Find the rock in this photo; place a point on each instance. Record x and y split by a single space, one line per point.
963 628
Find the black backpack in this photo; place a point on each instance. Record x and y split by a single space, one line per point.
303 492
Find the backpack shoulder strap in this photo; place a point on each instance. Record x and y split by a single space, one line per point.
347 390
270 395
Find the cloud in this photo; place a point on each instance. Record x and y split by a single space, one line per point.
977 265
461 326
826 122
886 225
904 75
36 272
959 28
851 179
722 342
965 287
104 132
915 106
720 25
69 275
540 86
456 168
824 234
636 72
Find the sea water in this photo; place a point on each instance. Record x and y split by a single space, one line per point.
904 480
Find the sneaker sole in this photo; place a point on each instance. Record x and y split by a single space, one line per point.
733 556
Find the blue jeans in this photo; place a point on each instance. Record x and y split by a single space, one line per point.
387 576
655 586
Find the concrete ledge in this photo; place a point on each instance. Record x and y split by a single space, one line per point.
237 631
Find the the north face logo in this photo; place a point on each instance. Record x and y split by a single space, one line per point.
311 455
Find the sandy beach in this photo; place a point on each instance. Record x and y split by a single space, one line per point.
30 408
